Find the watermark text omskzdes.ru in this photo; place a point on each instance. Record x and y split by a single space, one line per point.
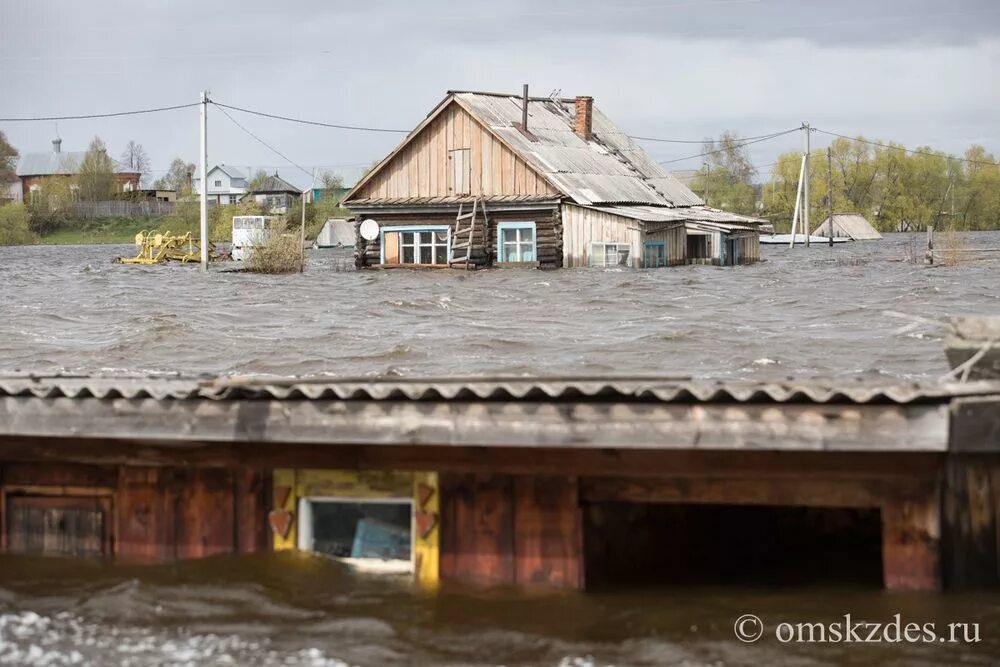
749 628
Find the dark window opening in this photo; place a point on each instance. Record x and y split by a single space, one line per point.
345 529
637 544
698 246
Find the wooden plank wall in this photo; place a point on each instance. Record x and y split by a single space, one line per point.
549 241
422 167
676 240
158 513
583 226
503 529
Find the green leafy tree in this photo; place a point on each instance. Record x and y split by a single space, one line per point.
96 176
15 225
8 161
726 179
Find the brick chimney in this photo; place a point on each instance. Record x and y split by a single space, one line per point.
57 145
583 121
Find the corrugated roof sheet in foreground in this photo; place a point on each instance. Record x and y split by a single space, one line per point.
610 389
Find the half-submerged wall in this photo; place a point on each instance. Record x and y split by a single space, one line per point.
142 513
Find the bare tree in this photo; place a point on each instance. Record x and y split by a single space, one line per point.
134 158
177 177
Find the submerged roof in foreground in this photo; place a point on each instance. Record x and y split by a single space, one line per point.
626 389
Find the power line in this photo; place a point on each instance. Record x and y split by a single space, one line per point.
739 145
906 150
698 141
317 123
99 115
267 145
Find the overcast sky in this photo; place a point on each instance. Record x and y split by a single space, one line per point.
914 71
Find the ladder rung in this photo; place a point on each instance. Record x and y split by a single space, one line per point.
465 216
466 230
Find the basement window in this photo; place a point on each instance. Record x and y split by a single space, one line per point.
374 535
606 255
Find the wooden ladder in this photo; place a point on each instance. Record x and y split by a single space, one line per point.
463 237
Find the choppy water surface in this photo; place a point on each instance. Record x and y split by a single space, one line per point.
803 313
299 609
827 312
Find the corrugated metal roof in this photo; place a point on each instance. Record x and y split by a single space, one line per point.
59 164
272 184
608 389
609 168
682 214
850 225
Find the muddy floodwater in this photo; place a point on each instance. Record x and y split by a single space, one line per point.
300 609
826 311
854 309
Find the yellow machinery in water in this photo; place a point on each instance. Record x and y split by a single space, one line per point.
158 247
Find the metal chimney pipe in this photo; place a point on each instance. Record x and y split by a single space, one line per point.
524 110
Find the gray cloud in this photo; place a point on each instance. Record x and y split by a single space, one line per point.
913 71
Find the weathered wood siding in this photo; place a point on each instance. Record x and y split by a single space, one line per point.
426 168
503 529
145 513
548 232
583 226
674 238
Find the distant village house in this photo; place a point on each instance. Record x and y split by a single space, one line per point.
275 194
226 185
490 179
35 169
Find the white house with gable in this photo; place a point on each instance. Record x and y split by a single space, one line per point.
226 185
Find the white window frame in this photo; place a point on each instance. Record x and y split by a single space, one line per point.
605 245
416 246
305 533
518 226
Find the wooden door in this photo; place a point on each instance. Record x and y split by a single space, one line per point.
58 525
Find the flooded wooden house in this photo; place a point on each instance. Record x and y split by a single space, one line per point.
490 179
566 483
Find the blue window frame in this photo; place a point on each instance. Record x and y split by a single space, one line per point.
516 242
654 254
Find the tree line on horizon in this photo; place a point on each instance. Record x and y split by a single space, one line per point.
895 189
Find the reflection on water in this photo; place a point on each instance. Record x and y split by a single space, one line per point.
802 312
300 609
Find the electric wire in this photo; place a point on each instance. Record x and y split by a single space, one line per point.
271 148
738 145
336 126
99 115
906 150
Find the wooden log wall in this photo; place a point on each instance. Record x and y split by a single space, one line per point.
503 529
424 167
548 230
145 513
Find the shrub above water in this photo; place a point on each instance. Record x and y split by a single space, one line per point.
14 225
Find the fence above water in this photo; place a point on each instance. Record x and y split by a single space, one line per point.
122 208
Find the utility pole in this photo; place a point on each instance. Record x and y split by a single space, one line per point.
302 236
203 170
805 187
829 192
